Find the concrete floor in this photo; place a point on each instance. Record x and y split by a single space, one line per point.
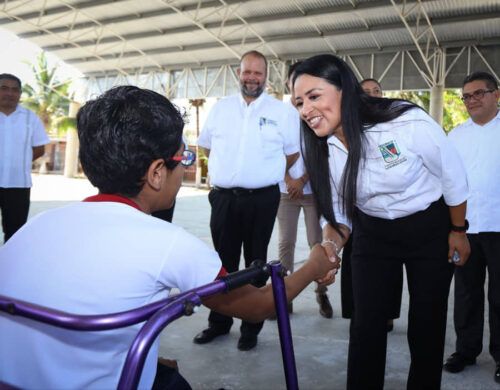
320 344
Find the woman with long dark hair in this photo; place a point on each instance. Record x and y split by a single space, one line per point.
384 168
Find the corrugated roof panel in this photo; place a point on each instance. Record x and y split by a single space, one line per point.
470 30
288 27
460 7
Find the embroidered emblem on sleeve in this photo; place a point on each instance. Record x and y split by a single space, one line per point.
391 154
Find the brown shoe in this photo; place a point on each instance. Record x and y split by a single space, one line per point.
169 363
325 308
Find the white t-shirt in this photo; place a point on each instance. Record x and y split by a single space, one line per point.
298 168
409 163
90 258
248 143
479 147
19 133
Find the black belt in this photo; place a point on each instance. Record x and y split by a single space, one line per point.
244 191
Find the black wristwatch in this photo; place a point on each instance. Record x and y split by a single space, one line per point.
460 229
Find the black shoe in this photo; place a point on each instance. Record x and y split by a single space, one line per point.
325 309
497 373
457 362
207 335
247 342
390 325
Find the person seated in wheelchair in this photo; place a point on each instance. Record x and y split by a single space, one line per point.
107 254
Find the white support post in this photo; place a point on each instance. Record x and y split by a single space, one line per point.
72 145
436 103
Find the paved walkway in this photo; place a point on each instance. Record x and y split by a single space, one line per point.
320 345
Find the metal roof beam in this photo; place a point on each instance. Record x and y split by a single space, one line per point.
54 11
197 22
271 38
120 19
248 26
99 29
186 29
117 69
304 54
423 35
230 22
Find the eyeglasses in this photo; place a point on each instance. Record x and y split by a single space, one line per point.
477 95
187 158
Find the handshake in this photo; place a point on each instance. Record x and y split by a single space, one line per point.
327 255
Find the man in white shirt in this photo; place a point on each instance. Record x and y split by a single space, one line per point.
22 140
478 142
248 138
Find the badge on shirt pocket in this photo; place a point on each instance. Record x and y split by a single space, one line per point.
391 154
263 121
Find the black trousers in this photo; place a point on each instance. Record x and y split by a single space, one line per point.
168 378
15 206
469 296
346 295
381 247
241 218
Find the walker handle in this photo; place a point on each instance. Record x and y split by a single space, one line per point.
257 271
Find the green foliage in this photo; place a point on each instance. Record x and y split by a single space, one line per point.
454 110
421 98
64 123
202 157
48 97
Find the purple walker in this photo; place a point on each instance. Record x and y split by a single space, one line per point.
159 314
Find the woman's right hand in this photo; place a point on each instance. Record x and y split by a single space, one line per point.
333 241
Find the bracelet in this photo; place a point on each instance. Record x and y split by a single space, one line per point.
328 241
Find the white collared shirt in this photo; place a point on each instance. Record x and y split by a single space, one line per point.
298 168
408 164
248 143
106 257
19 133
479 147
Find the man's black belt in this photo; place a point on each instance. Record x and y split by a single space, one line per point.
244 191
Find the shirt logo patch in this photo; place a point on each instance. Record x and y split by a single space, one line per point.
391 154
266 121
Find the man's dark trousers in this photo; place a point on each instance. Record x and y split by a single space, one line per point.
469 296
241 217
15 205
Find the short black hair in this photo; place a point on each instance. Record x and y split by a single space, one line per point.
8 76
372 80
488 78
122 132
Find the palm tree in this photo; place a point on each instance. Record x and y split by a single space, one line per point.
48 98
